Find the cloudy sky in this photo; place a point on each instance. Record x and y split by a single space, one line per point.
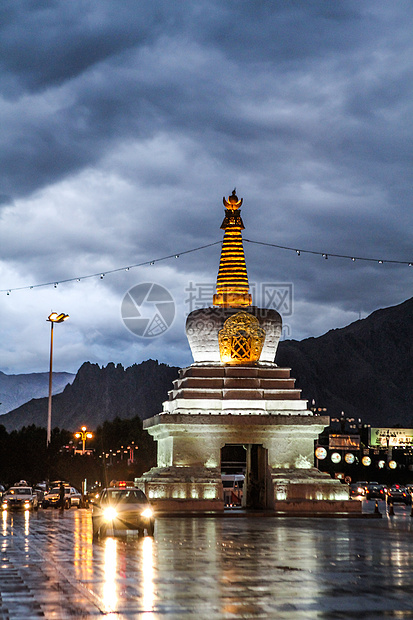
123 124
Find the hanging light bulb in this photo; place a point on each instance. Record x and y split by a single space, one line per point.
325 256
298 252
102 275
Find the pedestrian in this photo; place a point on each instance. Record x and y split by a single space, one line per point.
62 496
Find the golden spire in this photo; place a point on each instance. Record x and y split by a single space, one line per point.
232 281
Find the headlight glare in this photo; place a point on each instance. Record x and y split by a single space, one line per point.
110 513
147 513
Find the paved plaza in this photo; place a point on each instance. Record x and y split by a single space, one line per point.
228 567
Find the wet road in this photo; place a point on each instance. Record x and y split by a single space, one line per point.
253 567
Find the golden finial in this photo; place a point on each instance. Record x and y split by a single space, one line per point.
232 203
232 281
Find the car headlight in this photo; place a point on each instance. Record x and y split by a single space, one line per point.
109 514
147 513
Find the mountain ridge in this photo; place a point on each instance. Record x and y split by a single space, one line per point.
98 394
363 369
17 389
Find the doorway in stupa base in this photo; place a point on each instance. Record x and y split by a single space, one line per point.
246 476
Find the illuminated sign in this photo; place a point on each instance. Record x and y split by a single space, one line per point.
391 437
344 442
320 453
349 458
366 460
392 464
336 457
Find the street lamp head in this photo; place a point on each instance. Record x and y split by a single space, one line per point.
54 317
83 428
77 435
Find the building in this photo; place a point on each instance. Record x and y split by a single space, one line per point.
234 394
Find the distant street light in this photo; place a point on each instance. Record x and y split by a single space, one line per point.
83 434
52 318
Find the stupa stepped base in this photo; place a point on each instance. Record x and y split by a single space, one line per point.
249 389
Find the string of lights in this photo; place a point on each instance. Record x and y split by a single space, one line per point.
102 274
297 251
326 255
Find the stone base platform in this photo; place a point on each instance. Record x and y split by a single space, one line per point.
183 489
310 508
196 489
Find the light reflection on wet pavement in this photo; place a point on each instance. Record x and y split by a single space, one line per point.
249 567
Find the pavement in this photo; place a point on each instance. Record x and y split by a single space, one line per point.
252 567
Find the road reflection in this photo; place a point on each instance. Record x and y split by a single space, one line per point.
110 596
147 575
82 548
232 567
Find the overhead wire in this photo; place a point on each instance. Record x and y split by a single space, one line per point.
298 251
101 274
325 255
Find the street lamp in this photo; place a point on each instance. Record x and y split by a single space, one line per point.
83 434
52 318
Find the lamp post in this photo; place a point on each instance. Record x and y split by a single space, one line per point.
83 434
52 318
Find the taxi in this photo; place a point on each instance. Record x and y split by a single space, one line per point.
72 497
20 497
122 506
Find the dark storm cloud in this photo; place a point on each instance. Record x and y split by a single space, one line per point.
124 123
83 75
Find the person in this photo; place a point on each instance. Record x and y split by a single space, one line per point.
62 496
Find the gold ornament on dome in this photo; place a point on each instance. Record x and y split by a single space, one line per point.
241 339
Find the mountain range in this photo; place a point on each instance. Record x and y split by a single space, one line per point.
364 369
15 390
98 394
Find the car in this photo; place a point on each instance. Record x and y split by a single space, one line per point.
375 491
357 491
72 497
122 508
20 497
398 493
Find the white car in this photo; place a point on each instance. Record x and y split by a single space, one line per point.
122 508
72 497
20 498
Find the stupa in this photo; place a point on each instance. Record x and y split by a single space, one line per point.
234 393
